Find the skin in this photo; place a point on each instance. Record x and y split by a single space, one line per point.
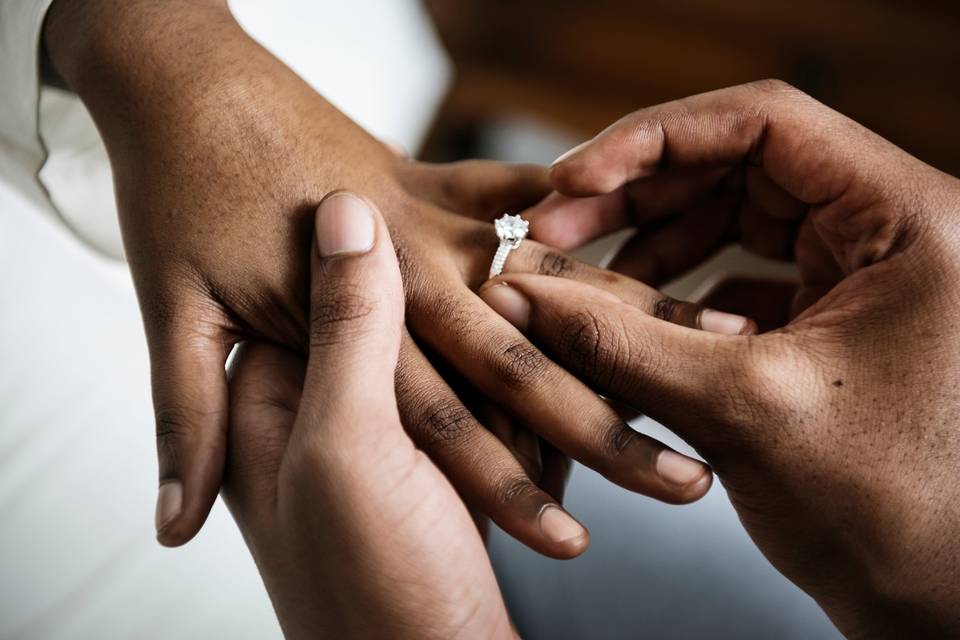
835 435
220 154
341 511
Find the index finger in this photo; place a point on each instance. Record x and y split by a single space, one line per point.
767 123
690 381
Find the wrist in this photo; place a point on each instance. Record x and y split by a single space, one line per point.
89 38
132 61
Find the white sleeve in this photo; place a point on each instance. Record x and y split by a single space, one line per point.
22 152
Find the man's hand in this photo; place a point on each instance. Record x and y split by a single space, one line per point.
836 436
220 154
356 533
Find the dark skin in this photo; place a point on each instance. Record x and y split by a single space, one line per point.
334 500
220 154
836 436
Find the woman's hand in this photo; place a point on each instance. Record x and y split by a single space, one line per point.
836 436
355 532
220 154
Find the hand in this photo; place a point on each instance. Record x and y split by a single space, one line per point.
688 209
219 155
836 436
356 533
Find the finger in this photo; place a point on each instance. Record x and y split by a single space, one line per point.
522 443
769 217
659 257
265 387
356 316
518 440
190 404
482 189
819 270
566 222
533 257
766 301
505 367
688 380
479 465
770 198
766 123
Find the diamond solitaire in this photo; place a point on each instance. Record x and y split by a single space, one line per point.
511 230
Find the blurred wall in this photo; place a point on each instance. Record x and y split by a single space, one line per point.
580 64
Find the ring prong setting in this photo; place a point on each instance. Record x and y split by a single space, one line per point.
511 230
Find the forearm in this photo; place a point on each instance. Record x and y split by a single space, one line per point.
106 50
181 82
137 62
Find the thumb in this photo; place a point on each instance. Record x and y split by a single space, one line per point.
187 358
356 317
691 381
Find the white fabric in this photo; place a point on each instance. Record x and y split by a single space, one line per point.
77 546
23 154
77 463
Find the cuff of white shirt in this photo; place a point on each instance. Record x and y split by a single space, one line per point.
22 152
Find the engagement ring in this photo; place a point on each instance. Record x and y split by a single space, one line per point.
511 230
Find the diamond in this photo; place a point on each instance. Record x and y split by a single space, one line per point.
511 228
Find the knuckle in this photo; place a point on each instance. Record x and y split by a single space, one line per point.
184 429
557 265
338 314
615 439
591 348
665 308
520 365
445 420
676 311
766 386
580 340
172 427
171 421
512 487
433 418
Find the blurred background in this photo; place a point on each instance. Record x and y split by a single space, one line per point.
578 65
520 80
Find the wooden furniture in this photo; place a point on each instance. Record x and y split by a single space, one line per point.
581 64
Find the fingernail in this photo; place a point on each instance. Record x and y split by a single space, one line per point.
509 303
557 525
344 224
571 152
678 469
169 503
726 323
